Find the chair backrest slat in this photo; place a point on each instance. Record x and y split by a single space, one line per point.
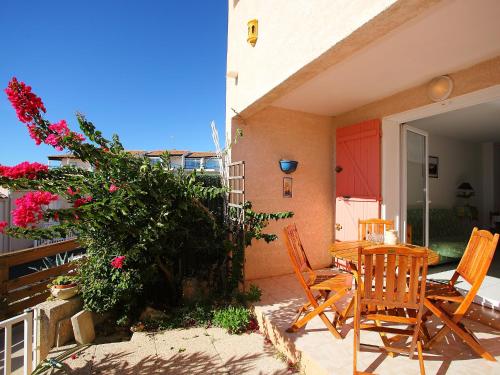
379 275
368 262
413 283
477 256
391 272
296 250
394 276
401 278
373 226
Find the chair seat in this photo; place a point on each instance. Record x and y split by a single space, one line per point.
339 282
444 292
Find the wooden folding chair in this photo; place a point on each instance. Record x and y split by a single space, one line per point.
391 294
373 226
323 284
473 268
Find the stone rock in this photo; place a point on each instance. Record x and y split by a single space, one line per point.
83 327
64 332
50 314
152 314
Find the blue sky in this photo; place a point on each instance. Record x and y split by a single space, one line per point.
152 71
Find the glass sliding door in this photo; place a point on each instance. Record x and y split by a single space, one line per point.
415 185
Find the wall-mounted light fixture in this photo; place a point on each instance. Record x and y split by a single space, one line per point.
253 32
439 88
288 166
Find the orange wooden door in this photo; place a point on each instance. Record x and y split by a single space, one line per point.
358 187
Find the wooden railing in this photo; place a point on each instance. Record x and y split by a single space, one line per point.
26 291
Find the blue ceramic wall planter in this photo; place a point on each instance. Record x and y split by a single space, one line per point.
288 166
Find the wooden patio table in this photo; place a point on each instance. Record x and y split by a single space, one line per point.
348 251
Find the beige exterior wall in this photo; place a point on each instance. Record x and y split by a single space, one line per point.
291 35
275 134
297 41
474 78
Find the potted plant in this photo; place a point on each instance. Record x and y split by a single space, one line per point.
63 287
288 166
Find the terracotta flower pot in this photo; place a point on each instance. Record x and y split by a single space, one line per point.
64 291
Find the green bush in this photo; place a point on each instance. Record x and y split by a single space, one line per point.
252 295
146 227
233 318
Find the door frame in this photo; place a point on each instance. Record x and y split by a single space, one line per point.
404 129
392 205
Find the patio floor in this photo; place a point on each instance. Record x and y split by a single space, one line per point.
178 352
489 293
320 353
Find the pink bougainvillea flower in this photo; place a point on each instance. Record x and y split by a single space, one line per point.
117 262
28 107
78 137
81 201
53 140
26 104
72 192
113 188
34 134
3 224
24 170
60 128
61 134
29 210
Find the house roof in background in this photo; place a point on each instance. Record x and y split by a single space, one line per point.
61 156
137 152
171 152
202 154
155 153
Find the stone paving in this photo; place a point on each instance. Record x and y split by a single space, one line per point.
319 353
189 351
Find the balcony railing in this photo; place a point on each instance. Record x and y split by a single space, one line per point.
192 163
37 243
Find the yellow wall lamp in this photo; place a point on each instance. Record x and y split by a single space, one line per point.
253 32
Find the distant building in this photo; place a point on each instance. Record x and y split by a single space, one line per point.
188 160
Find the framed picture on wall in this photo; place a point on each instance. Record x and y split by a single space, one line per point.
433 166
287 187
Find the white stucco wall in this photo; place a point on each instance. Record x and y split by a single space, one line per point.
74 162
458 162
391 166
291 34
